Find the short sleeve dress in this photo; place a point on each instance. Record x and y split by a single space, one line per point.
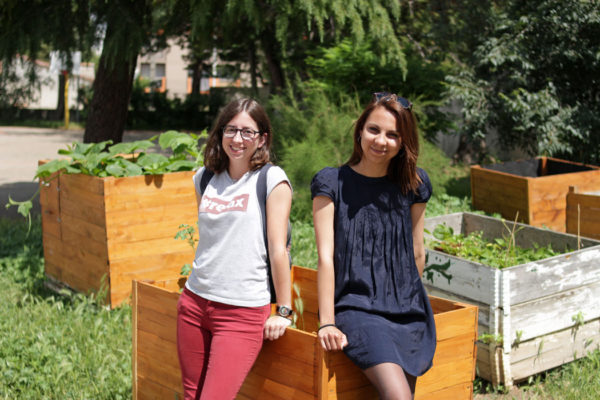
380 302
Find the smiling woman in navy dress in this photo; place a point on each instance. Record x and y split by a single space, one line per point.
369 217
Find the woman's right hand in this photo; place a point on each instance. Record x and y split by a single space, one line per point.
332 338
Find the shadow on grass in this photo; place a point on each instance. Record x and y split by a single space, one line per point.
459 186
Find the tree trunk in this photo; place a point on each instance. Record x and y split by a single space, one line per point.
196 78
60 104
270 50
108 108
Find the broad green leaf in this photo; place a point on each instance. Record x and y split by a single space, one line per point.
130 147
47 169
181 165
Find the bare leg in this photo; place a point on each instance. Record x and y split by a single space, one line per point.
391 381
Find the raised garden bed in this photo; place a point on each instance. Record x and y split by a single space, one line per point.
111 230
533 316
583 212
295 366
535 188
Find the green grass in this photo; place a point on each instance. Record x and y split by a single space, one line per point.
55 346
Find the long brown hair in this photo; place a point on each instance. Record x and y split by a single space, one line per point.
403 167
215 157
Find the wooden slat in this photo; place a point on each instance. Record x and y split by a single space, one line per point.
260 387
148 183
134 343
73 236
153 364
150 390
88 183
446 375
552 313
551 276
82 211
141 230
124 218
118 249
79 194
137 201
50 205
461 391
84 228
474 281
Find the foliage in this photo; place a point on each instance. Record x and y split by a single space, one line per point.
500 253
350 67
122 159
535 80
55 346
309 135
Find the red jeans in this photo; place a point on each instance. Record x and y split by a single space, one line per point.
217 345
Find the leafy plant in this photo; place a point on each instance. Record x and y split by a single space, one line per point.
187 232
500 253
122 159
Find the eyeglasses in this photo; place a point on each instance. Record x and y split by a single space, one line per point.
246 133
400 100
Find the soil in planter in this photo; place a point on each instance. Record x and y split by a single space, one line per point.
535 167
500 253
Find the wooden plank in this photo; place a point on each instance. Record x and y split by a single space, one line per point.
156 214
120 278
150 390
161 325
456 323
458 371
82 211
149 183
118 249
157 299
553 275
84 228
50 205
137 201
134 343
474 281
461 391
73 237
554 349
88 183
81 195
139 230
154 365
553 313
260 387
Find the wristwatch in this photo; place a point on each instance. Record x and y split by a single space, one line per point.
284 311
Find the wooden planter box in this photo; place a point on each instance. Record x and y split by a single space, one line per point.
535 188
112 230
295 366
583 212
537 315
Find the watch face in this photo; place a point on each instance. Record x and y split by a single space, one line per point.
284 311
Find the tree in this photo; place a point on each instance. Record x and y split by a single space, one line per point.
535 79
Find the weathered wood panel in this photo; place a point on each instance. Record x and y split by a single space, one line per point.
528 301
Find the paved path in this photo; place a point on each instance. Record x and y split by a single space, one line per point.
20 150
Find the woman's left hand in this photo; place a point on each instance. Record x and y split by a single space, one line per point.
275 327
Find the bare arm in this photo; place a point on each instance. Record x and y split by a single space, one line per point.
323 215
278 208
417 213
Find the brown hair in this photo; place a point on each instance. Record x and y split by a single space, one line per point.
215 158
403 167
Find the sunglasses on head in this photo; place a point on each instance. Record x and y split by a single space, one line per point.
400 100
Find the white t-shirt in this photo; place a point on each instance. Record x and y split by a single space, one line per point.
230 265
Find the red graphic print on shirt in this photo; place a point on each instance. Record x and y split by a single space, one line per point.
214 205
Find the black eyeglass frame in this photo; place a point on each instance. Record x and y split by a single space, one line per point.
241 132
404 102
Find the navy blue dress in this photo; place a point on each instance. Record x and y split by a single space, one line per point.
380 302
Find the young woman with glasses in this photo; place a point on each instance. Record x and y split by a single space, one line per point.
369 217
224 311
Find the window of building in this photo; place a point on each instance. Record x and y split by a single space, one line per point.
145 70
159 70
